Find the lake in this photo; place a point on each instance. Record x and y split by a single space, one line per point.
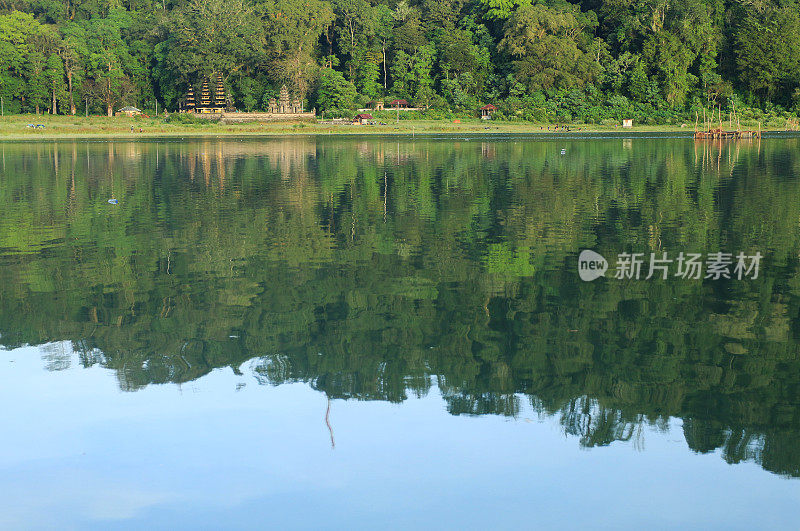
393 332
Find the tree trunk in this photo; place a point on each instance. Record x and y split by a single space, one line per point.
109 107
384 66
72 109
54 108
352 37
330 43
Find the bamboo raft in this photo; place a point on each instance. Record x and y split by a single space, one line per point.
718 133
723 134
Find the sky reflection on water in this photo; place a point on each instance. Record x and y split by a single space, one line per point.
78 452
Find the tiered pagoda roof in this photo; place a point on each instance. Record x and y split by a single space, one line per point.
219 93
205 95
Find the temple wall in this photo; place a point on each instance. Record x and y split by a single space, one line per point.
234 117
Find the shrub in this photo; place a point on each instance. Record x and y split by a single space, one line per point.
187 118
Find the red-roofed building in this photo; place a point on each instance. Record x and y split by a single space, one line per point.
401 104
486 111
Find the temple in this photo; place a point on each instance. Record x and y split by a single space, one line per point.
207 105
286 107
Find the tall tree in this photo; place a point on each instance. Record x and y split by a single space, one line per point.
544 43
334 91
73 52
768 51
17 33
292 29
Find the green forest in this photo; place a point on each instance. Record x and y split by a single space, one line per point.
590 61
375 269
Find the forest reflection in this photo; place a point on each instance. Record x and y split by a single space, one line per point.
376 268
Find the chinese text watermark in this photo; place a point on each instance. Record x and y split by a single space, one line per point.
688 266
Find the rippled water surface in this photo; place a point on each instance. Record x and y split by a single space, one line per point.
330 332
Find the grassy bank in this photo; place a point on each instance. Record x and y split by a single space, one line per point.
16 127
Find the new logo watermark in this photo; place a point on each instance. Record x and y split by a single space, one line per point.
688 266
591 265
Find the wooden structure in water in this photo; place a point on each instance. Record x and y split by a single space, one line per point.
722 134
718 133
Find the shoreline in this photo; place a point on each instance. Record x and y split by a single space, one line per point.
15 128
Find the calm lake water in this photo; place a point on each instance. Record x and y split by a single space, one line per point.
329 332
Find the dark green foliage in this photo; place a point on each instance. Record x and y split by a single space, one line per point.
669 59
334 91
768 47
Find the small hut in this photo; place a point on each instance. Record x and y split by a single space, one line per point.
129 111
627 123
375 105
361 118
486 111
399 104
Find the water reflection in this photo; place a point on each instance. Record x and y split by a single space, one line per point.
375 269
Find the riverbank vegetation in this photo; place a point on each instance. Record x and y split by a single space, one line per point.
30 127
590 61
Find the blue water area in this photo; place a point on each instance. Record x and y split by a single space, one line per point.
392 332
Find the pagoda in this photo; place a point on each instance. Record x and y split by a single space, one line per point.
190 103
219 94
205 99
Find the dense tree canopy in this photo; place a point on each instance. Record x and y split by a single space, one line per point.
536 59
